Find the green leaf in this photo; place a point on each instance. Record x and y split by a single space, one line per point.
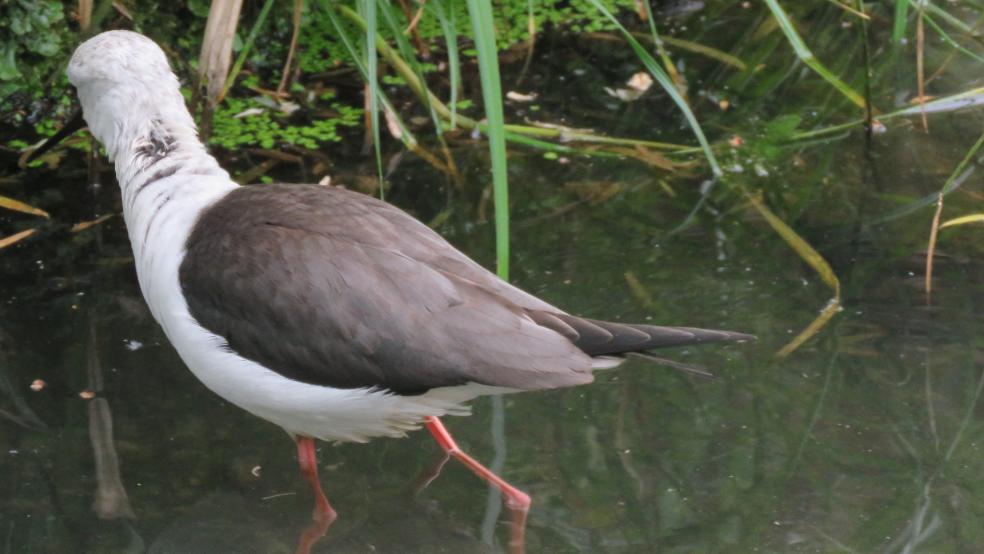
8 62
483 27
367 9
446 19
804 53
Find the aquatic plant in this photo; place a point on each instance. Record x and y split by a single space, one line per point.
249 122
33 38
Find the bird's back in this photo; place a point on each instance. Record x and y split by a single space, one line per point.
336 288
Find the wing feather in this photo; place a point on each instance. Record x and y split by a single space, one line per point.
335 288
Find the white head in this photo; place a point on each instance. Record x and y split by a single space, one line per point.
126 87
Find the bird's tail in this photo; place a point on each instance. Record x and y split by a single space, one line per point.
605 338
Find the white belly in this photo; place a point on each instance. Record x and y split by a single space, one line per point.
158 234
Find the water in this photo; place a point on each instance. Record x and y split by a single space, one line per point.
867 438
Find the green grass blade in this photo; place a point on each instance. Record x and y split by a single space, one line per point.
405 135
483 27
247 46
399 65
344 37
901 21
696 48
949 185
946 16
858 11
865 41
705 51
805 55
367 8
925 201
548 146
448 27
407 51
664 81
660 49
949 40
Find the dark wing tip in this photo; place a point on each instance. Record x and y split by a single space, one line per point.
715 335
599 338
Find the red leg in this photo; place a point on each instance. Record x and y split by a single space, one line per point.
323 514
517 501
308 461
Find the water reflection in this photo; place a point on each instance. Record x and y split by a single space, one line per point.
111 501
869 431
867 438
20 412
220 522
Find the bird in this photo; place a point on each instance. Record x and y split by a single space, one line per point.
328 312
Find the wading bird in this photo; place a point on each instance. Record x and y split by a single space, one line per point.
327 312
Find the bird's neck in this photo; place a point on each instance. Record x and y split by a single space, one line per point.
165 174
166 177
155 142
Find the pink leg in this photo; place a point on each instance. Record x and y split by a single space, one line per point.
323 514
308 461
517 501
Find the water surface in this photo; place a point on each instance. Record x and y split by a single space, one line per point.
867 438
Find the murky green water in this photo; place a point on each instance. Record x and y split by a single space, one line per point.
868 438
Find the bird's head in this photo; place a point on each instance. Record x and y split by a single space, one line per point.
122 78
118 59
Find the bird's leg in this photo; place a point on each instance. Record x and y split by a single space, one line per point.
307 459
515 498
323 515
517 501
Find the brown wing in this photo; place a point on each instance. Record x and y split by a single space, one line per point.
335 288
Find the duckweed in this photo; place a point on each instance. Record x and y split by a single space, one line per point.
267 128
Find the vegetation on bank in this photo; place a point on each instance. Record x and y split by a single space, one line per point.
37 36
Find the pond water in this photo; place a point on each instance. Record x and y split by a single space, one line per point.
867 438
